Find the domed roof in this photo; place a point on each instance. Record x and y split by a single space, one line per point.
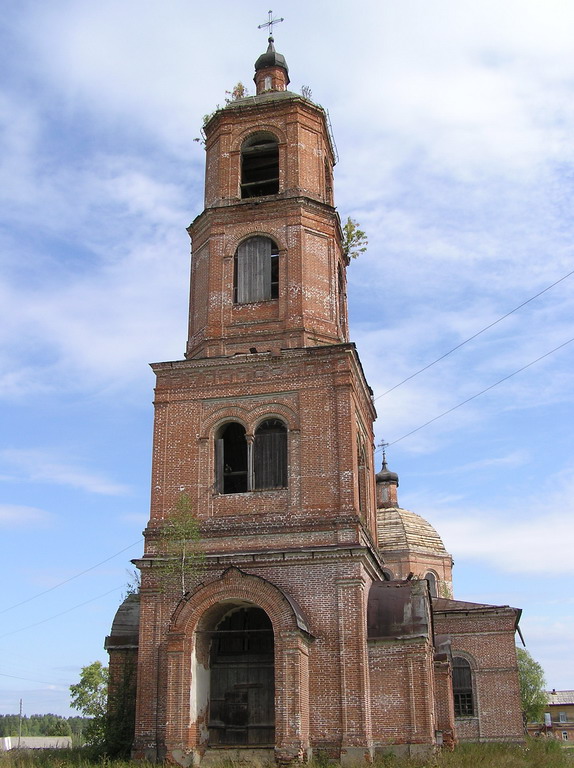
385 475
125 626
400 529
271 58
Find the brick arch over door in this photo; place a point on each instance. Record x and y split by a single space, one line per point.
188 661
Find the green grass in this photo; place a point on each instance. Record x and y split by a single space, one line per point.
537 753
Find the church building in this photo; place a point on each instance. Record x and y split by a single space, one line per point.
319 619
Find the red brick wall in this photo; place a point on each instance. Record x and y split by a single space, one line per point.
402 686
486 639
300 219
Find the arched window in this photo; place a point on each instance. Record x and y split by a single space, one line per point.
246 464
231 459
431 578
462 687
256 271
387 575
270 459
259 166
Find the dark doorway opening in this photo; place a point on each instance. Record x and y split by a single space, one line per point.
242 698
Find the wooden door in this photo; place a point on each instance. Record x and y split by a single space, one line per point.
242 697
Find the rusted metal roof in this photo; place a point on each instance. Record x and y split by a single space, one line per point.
398 609
444 604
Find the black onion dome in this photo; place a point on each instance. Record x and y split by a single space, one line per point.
385 475
271 58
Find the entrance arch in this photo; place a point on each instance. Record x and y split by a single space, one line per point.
242 679
206 614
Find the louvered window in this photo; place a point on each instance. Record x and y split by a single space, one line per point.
256 271
462 687
270 455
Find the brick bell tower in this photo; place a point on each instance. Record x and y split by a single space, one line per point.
266 426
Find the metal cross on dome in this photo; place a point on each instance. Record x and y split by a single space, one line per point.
384 445
270 23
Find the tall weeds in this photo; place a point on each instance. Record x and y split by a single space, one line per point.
536 753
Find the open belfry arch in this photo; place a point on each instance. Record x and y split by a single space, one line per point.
295 637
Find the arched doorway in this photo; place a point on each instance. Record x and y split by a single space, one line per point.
242 679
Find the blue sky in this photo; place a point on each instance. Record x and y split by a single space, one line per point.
453 121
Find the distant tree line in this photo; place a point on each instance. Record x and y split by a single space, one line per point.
42 725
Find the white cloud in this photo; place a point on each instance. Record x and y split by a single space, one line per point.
16 516
515 546
522 535
41 467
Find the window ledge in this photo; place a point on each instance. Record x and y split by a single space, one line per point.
278 488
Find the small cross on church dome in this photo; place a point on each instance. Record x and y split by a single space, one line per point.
271 70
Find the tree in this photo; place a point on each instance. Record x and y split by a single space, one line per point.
120 723
532 687
179 543
239 92
90 697
354 239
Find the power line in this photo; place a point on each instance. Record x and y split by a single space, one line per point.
470 338
29 680
464 402
63 613
66 581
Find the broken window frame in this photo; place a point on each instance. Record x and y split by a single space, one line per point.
256 270
231 459
259 166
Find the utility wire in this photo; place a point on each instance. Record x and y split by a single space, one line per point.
63 613
462 343
29 680
478 394
66 581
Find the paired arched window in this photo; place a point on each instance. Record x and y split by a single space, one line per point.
256 270
260 165
462 687
245 464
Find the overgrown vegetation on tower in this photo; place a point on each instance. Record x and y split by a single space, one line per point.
354 239
179 545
